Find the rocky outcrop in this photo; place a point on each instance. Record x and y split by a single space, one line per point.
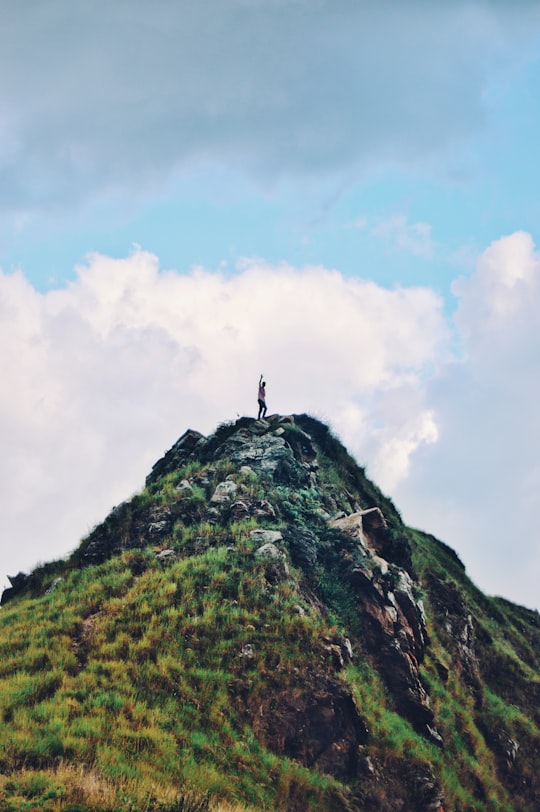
182 451
19 584
318 724
128 527
397 785
271 455
303 545
395 627
457 621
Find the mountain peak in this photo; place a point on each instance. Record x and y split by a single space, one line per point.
355 651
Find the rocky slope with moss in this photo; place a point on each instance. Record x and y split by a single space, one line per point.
258 630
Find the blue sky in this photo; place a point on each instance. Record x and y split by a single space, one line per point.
481 186
469 185
169 173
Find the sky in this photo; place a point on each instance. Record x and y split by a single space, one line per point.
340 195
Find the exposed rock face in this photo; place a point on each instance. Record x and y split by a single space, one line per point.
271 455
506 748
395 624
303 546
126 529
396 786
319 725
458 623
178 455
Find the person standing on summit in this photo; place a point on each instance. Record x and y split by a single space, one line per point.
261 398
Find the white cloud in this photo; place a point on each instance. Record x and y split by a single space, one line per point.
101 377
499 302
396 445
477 488
412 238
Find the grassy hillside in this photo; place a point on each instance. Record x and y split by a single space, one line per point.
173 664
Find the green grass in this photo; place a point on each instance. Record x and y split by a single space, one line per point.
150 700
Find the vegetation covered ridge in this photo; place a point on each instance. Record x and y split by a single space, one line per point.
258 630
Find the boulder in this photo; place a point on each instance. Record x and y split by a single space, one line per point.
269 550
158 528
245 507
224 492
263 509
264 537
240 510
165 555
303 546
276 568
373 519
362 525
